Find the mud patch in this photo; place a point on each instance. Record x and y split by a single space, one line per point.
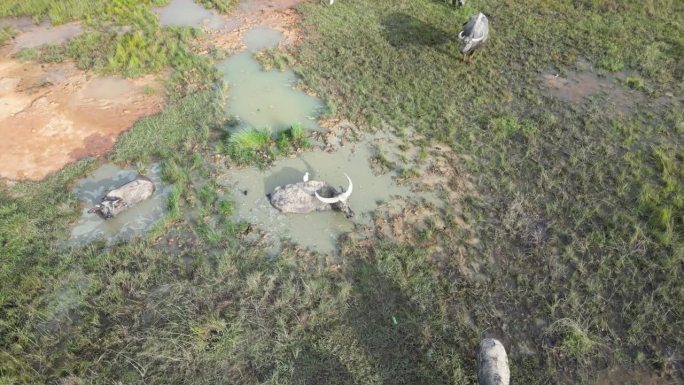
34 36
94 144
317 231
53 114
385 202
578 87
434 174
130 223
621 376
21 24
274 14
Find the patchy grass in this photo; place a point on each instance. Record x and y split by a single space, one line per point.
177 131
58 12
595 197
577 252
292 139
221 5
261 147
146 47
6 33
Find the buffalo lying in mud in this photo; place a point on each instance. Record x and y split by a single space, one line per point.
119 199
492 363
311 195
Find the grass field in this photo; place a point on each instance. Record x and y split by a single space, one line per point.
578 212
143 47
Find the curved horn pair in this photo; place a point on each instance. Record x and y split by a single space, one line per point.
341 197
476 40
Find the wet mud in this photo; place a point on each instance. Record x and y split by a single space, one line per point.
384 202
274 14
35 36
54 114
318 231
584 85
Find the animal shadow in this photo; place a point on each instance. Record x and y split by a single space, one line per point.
402 30
314 367
285 176
389 326
450 3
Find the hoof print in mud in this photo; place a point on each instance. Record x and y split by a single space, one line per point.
311 195
120 199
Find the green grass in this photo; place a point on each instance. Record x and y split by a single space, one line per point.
261 147
178 130
597 198
6 33
223 6
145 48
573 248
58 12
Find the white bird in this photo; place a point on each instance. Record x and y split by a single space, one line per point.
306 176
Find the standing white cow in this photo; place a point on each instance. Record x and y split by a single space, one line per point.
475 33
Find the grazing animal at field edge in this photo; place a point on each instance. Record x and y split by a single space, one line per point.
120 199
475 33
311 195
492 363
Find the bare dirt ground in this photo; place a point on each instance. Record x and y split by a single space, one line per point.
276 14
51 115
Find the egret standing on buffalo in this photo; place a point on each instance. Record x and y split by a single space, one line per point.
475 33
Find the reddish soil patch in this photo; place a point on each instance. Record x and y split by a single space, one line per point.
577 87
94 145
275 14
51 115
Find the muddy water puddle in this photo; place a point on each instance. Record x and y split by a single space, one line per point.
130 223
262 99
34 36
318 231
187 13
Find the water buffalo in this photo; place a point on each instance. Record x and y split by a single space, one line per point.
311 195
119 199
475 33
492 363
